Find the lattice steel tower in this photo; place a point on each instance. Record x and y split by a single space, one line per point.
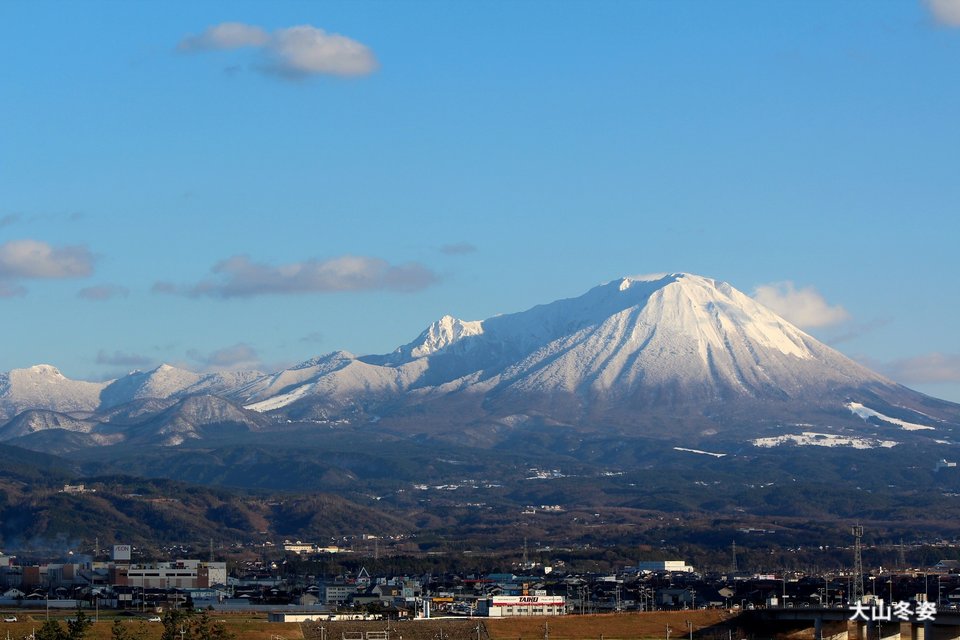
857 594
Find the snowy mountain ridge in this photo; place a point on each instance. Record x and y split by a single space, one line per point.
676 348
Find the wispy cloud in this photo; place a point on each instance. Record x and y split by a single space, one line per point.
9 219
239 277
923 369
10 290
32 259
123 359
946 12
163 287
103 292
314 337
226 35
854 331
294 52
804 307
240 355
458 248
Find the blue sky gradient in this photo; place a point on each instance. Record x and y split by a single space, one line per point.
493 156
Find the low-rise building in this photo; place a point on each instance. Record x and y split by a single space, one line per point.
336 593
665 565
180 574
508 606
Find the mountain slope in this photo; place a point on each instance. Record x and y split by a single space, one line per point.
665 356
651 355
171 382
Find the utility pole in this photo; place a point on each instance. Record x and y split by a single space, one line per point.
857 587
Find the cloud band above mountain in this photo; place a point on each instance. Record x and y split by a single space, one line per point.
239 277
804 307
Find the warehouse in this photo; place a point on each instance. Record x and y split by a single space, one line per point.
506 606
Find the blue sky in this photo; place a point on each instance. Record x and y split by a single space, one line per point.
233 184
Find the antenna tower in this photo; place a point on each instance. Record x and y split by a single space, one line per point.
733 566
857 594
902 556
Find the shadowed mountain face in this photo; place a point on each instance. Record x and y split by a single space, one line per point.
673 356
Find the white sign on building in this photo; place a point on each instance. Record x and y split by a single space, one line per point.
121 552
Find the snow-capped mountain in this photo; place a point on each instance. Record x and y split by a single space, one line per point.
171 382
44 387
674 342
670 355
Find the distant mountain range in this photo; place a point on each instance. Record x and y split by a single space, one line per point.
671 357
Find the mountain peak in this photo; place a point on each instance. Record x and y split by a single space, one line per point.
441 334
45 370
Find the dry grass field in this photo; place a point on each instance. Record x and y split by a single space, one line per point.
626 626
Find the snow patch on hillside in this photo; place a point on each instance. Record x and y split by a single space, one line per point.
706 453
810 438
866 413
280 401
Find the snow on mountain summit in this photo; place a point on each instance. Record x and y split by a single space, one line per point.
167 381
440 335
44 387
675 338
622 353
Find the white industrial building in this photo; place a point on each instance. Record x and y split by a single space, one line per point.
665 565
507 606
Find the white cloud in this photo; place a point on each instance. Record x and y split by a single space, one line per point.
34 259
239 277
226 35
947 12
924 369
305 50
293 52
804 307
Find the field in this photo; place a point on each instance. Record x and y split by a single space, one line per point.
626 626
